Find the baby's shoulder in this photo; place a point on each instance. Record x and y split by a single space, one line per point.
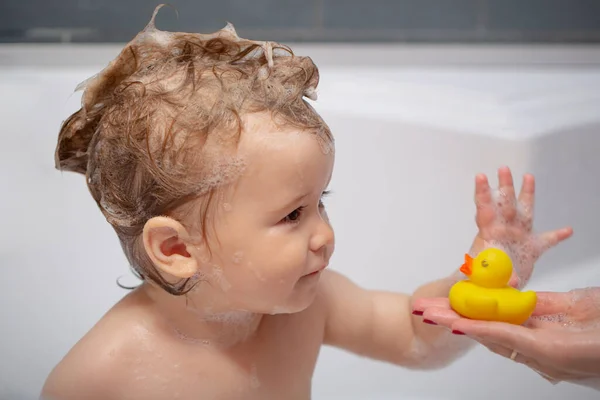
98 363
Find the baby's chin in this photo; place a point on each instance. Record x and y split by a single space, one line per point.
294 307
277 301
279 310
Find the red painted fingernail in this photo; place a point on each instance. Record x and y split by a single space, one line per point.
430 322
416 312
457 332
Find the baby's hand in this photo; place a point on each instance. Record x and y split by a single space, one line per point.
506 222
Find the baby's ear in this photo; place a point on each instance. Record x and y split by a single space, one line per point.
167 243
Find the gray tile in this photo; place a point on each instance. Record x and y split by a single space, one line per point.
16 14
123 19
308 20
543 15
201 16
400 14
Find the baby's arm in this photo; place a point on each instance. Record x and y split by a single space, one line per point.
380 325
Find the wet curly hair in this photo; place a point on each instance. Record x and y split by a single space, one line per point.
148 121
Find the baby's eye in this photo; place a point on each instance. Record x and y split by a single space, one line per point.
294 216
484 264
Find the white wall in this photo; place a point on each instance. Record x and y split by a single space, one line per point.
413 126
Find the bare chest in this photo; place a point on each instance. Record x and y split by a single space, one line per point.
277 365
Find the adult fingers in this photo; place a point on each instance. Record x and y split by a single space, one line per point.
440 316
511 336
423 303
548 373
550 303
515 356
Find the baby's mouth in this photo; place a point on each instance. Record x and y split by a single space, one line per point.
317 271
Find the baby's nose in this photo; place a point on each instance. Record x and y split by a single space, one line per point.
324 237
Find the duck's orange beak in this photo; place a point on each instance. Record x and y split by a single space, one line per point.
467 266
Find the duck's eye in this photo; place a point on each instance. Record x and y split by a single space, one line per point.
484 264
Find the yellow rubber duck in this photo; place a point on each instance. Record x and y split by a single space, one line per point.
486 294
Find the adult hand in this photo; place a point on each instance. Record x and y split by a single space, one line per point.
561 341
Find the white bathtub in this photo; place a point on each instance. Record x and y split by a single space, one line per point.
413 125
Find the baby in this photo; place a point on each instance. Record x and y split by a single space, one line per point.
203 154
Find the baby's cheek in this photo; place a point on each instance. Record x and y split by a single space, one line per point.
283 271
273 263
264 266
269 282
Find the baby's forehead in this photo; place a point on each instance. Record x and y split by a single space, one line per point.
280 158
265 140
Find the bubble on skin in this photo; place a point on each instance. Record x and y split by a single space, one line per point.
160 378
255 271
583 312
239 317
204 256
241 326
190 339
254 382
564 321
590 293
523 255
525 214
143 337
237 257
437 353
227 206
500 197
556 318
219 278
502 201
418 350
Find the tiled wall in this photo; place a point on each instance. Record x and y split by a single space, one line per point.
309 20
